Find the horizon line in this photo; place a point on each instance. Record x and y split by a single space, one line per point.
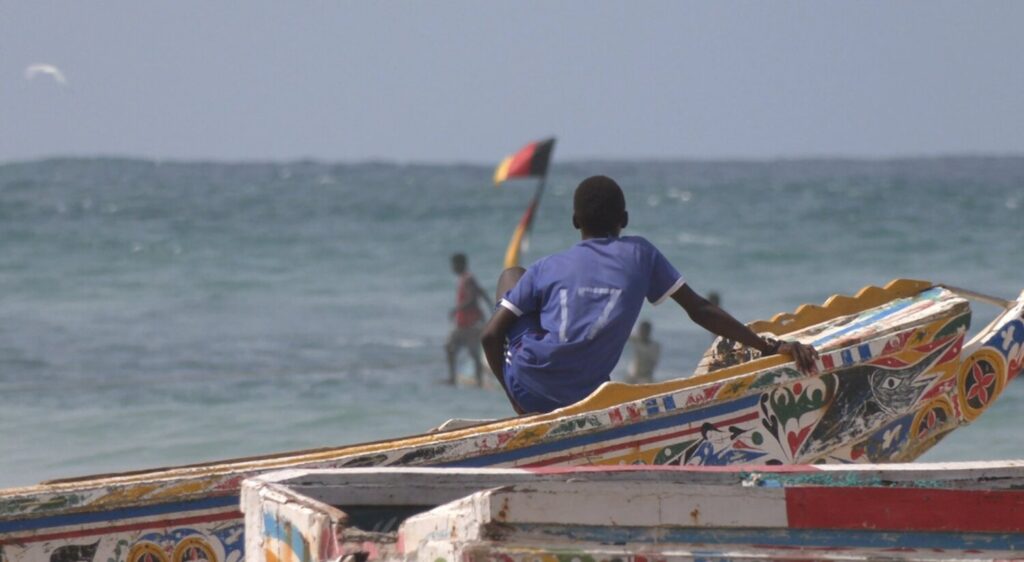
966 155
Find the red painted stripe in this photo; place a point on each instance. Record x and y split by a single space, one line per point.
826 360
629 444
906 509
520 165
155 524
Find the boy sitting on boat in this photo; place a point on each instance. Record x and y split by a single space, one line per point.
567 318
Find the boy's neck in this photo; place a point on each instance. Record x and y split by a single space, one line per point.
584 235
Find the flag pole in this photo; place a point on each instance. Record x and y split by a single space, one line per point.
525 223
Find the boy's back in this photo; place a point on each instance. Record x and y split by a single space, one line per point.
586 300
568 317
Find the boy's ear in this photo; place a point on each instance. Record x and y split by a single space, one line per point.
625 219
575 223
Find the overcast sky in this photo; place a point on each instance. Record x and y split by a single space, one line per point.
469 81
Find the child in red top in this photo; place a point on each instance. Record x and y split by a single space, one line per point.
468 319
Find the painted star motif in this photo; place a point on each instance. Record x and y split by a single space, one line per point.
983 381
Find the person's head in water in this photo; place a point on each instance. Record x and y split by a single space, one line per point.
599 207
644 330
459 263
714 298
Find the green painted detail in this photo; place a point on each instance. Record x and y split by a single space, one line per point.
573 425
962 322
35 505
836 480
772 378
757 438
666 454
117 556
930 484
787 405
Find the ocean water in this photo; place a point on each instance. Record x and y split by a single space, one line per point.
156 313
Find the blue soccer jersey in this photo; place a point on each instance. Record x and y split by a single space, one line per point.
586 300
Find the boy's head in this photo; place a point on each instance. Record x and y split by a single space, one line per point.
599 207
458 263
644 330
714 298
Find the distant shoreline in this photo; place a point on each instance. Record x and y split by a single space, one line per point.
559 162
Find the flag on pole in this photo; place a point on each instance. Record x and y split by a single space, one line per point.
531 161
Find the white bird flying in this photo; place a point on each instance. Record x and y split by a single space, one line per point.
33 70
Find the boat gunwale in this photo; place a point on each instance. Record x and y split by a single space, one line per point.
116 484
867 298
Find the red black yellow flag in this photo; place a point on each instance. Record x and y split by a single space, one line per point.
531 160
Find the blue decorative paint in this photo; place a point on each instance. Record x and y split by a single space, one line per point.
787 538
651 404
930 294
847 357
865 351
646 426
1014 330
889 439
232 537
285 533
185 507
669 402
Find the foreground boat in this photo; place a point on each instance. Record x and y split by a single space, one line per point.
952 511
894 376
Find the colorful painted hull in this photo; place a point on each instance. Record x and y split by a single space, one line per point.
952 511
895 375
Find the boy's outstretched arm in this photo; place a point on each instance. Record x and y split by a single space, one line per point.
493 341
719 322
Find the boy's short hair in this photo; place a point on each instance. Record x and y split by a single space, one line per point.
599 204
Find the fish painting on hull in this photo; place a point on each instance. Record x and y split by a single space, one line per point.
716 447
865 396
74 553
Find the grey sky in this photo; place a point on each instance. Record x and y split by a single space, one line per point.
469 81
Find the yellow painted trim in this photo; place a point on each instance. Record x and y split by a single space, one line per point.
125 495
140 549
840 305
193 542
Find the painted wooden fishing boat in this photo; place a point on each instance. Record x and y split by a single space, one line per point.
952 511
895 374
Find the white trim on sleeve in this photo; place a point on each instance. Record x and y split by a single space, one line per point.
675 287
513 308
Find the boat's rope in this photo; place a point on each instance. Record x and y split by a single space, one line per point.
1002 303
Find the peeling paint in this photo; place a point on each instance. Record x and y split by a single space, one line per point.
618 515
